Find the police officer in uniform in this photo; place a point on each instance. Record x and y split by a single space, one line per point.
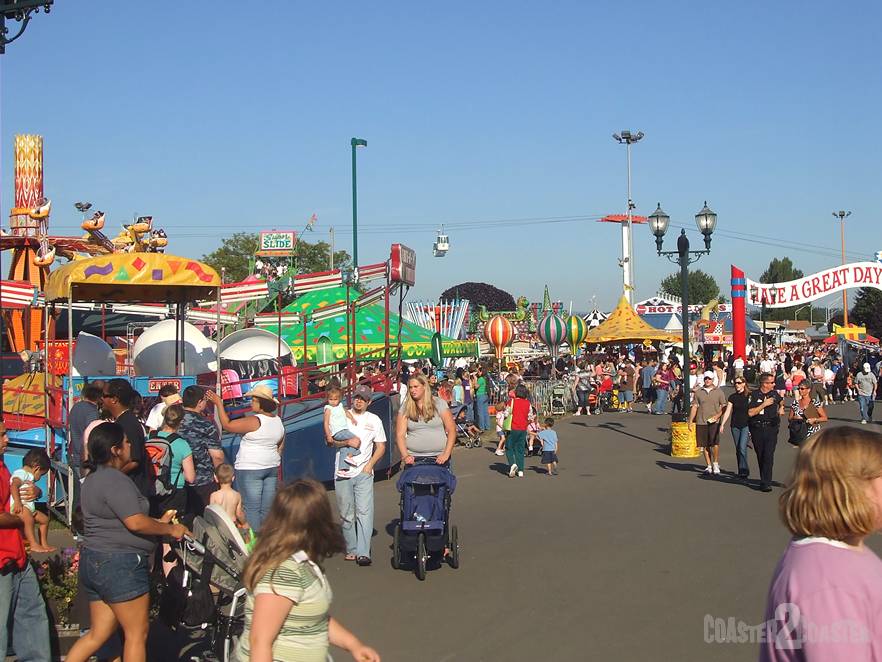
764 409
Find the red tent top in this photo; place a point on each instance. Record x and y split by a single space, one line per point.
872 340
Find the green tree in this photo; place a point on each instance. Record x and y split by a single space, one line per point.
867 310
236 255
702 286
780 271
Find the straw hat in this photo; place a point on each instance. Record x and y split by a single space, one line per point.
262 391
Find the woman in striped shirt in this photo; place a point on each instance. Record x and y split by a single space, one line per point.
289 598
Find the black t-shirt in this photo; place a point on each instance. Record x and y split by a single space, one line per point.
769 416
135 434
739 417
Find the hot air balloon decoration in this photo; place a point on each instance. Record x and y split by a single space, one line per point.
499 332
551 331
576 331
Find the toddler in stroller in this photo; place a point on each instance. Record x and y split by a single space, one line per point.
467 433
204 591
424 530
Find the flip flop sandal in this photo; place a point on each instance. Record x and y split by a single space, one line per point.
349 557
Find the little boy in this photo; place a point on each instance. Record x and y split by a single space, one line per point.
337 420
549 446
229 499
34 466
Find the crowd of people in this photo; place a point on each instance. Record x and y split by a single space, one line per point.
142 476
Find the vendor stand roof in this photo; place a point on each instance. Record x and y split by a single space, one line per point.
624 325
133 277
416 341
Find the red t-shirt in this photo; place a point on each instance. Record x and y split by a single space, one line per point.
520 413
11 543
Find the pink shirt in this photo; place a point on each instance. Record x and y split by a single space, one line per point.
825 603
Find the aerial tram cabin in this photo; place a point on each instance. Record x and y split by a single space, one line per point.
441 245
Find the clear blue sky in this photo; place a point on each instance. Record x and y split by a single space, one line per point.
221 116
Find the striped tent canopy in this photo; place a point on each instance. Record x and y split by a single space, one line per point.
595 318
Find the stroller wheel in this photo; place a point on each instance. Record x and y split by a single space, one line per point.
422 557
468 443
396 547
476 443
453 544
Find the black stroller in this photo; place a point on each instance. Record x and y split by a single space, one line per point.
463 424
204 592
424 529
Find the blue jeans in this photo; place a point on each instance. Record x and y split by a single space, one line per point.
582 401
661 401
865 402
23 613
481 415
258 488
741 436
355 500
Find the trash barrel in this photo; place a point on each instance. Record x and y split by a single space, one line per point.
683 440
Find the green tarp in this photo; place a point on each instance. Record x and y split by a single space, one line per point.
370 331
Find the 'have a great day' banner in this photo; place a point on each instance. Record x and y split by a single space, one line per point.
803 290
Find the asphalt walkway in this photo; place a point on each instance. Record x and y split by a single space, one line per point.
620 557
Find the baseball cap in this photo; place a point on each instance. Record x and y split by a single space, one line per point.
262 391
172 399
709 375
363 392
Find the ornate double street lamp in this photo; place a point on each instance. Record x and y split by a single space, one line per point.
706 220
21 11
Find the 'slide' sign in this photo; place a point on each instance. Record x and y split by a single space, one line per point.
276 242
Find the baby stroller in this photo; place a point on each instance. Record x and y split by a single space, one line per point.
463 423
558 400
424 529
204 591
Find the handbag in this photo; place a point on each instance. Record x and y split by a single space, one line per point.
798 429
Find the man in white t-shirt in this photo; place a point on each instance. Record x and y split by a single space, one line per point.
767 365
355 496
738 365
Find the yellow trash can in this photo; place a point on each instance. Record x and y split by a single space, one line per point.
683 440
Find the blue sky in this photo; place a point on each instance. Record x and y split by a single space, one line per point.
214 119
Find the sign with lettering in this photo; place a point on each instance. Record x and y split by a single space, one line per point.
153 385
277 243
816 286
642 309
402 265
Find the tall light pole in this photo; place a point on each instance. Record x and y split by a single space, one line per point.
706 220
355 142
842 215
627 138
21 11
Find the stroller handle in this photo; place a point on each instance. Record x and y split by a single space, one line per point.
194 544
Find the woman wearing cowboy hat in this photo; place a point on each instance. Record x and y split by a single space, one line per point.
260 451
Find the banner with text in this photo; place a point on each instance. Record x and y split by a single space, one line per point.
816 286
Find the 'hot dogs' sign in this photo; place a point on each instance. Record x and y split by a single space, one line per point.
803 290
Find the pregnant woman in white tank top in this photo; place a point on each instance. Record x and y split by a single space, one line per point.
260 451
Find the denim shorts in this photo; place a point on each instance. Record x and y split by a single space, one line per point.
112 577
343 435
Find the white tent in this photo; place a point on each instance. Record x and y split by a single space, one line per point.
674 323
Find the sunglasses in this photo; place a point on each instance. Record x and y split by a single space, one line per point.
739 381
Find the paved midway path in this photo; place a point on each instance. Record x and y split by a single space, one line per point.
620 557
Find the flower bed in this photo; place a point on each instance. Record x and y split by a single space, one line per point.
58 577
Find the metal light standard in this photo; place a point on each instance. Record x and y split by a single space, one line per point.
355 142
842 215
627 138
706 220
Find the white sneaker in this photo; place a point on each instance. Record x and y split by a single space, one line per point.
578 413
709 469
512 471
716 468
863 422
520 474
500 452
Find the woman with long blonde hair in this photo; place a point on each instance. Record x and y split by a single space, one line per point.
289 598
425 426
825 601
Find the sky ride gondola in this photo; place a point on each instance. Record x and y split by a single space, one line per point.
441 245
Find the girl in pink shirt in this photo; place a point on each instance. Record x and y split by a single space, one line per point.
825 601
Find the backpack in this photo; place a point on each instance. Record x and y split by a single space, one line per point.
159 454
